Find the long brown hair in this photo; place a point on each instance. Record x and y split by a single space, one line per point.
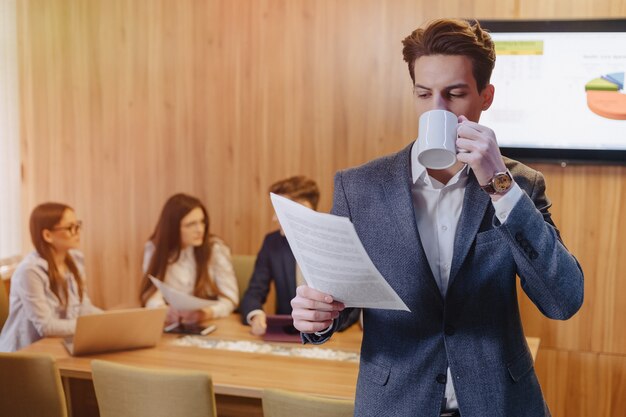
167 247
453 37
45 217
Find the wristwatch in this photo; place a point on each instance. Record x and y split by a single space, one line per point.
500 183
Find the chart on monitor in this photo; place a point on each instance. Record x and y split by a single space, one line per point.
559 85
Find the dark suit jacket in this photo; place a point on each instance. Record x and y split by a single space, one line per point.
476 328
275 261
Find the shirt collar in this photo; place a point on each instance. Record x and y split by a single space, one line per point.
419 173
187 253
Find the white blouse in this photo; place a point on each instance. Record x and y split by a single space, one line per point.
181 275
35 311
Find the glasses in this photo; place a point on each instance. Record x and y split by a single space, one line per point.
194 224
73 228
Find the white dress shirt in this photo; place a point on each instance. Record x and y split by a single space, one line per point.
437 211
35 311
181 275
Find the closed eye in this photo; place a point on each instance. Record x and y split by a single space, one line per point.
456 92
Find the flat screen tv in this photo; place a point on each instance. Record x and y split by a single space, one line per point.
560 93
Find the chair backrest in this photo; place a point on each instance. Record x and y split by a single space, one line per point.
243 265
4 304
125 391
30 385
280 403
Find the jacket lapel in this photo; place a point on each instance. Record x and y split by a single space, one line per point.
289 269
397 188
475 204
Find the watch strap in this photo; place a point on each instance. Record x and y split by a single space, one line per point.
489 188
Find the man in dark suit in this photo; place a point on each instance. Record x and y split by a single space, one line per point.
450 242
275 261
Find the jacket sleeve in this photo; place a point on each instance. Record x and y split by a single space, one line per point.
549 274
259 284
31 288
340 208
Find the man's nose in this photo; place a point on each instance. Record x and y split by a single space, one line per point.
440 103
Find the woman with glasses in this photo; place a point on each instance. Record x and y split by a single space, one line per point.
48 287
186 256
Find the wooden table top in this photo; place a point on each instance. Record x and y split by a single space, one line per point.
242 374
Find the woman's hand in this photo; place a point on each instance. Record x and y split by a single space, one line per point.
193 316
172 316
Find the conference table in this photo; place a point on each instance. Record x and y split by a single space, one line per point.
240 364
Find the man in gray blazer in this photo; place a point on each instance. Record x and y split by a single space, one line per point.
450 242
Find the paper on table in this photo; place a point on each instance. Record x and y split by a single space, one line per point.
178 299
332 258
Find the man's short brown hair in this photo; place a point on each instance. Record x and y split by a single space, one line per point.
298 187
453 37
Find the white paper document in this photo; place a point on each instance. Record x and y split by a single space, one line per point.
332 258
178 299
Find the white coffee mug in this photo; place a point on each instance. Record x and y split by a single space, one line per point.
436 142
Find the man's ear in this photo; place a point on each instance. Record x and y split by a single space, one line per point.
487 96
46 235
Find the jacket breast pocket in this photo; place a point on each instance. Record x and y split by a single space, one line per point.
490 236
521 365
375 373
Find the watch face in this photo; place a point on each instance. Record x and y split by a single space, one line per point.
501 182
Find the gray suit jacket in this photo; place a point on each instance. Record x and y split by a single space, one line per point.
476 330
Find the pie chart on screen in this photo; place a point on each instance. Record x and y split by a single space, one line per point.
604 97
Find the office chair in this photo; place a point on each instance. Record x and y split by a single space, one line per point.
243 265
129 391
280 403
30 386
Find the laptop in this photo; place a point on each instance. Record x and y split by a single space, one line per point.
116 330
280 329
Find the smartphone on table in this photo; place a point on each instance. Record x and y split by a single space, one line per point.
191 328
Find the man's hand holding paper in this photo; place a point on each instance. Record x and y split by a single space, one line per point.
314 311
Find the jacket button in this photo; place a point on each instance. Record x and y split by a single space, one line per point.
519 236
533 254
449 330
441 378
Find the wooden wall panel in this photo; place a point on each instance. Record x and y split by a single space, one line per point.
588 207
582 383
125 102
571 9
